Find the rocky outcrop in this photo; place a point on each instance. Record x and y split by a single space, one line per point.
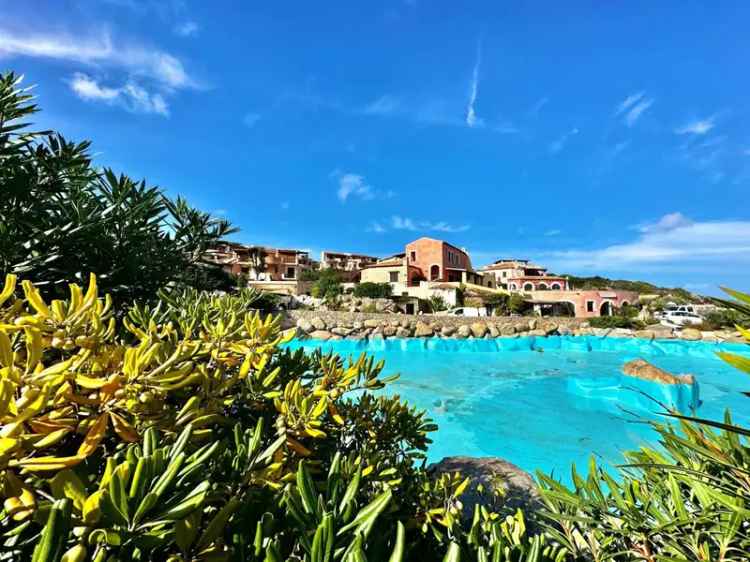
642 369
519 491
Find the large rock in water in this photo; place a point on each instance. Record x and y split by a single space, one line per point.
519 491
642 369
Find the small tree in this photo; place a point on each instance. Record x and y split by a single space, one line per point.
373 290
328 285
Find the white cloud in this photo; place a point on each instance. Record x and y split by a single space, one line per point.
560 143
376 227
471 115
637 110
405 223
697 127
633 106
354 185
131 96
629 101
251 119
187 29
384 105
666 223
154 64
673 242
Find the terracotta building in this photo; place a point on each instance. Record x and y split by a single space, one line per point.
520 275
260 263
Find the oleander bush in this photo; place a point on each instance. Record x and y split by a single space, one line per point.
187 431
616 322
61 217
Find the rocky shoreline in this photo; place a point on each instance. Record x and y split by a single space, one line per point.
330 325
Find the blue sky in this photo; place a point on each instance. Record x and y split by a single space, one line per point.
592 137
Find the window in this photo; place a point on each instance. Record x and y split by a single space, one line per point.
393 276
528 287
290 272
505 273
555 286
414 256
589 306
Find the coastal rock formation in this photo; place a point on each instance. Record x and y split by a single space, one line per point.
463 331
423 330
518 487
642 369
320 335
478 329
690 334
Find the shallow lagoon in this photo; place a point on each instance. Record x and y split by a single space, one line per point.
544 403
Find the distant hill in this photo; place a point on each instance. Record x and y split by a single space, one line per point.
598 282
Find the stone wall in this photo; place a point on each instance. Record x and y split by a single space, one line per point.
329 324
319 324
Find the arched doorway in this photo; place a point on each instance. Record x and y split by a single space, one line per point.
605 309
434 272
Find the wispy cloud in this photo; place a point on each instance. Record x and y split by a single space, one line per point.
376 227
633 107
537 107
384 105
354 185
697 127
131 96
637 110
187 29
251 119
628 102
668 222
673 241
406 223
559 144
471 115
101 50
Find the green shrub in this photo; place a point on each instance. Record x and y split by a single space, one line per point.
328 285
203 439
373 290
686 500
61 218
436 303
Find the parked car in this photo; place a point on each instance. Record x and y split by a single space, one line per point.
679 318
465 311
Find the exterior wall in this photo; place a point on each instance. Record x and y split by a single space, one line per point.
580 300
282 287
435 256
382 274
345 262
538 283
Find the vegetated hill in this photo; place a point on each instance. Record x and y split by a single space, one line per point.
598 282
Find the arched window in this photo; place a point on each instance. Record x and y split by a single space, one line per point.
513 287
434 273
528 287
555 286
542 287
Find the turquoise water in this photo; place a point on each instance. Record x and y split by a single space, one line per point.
544 403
